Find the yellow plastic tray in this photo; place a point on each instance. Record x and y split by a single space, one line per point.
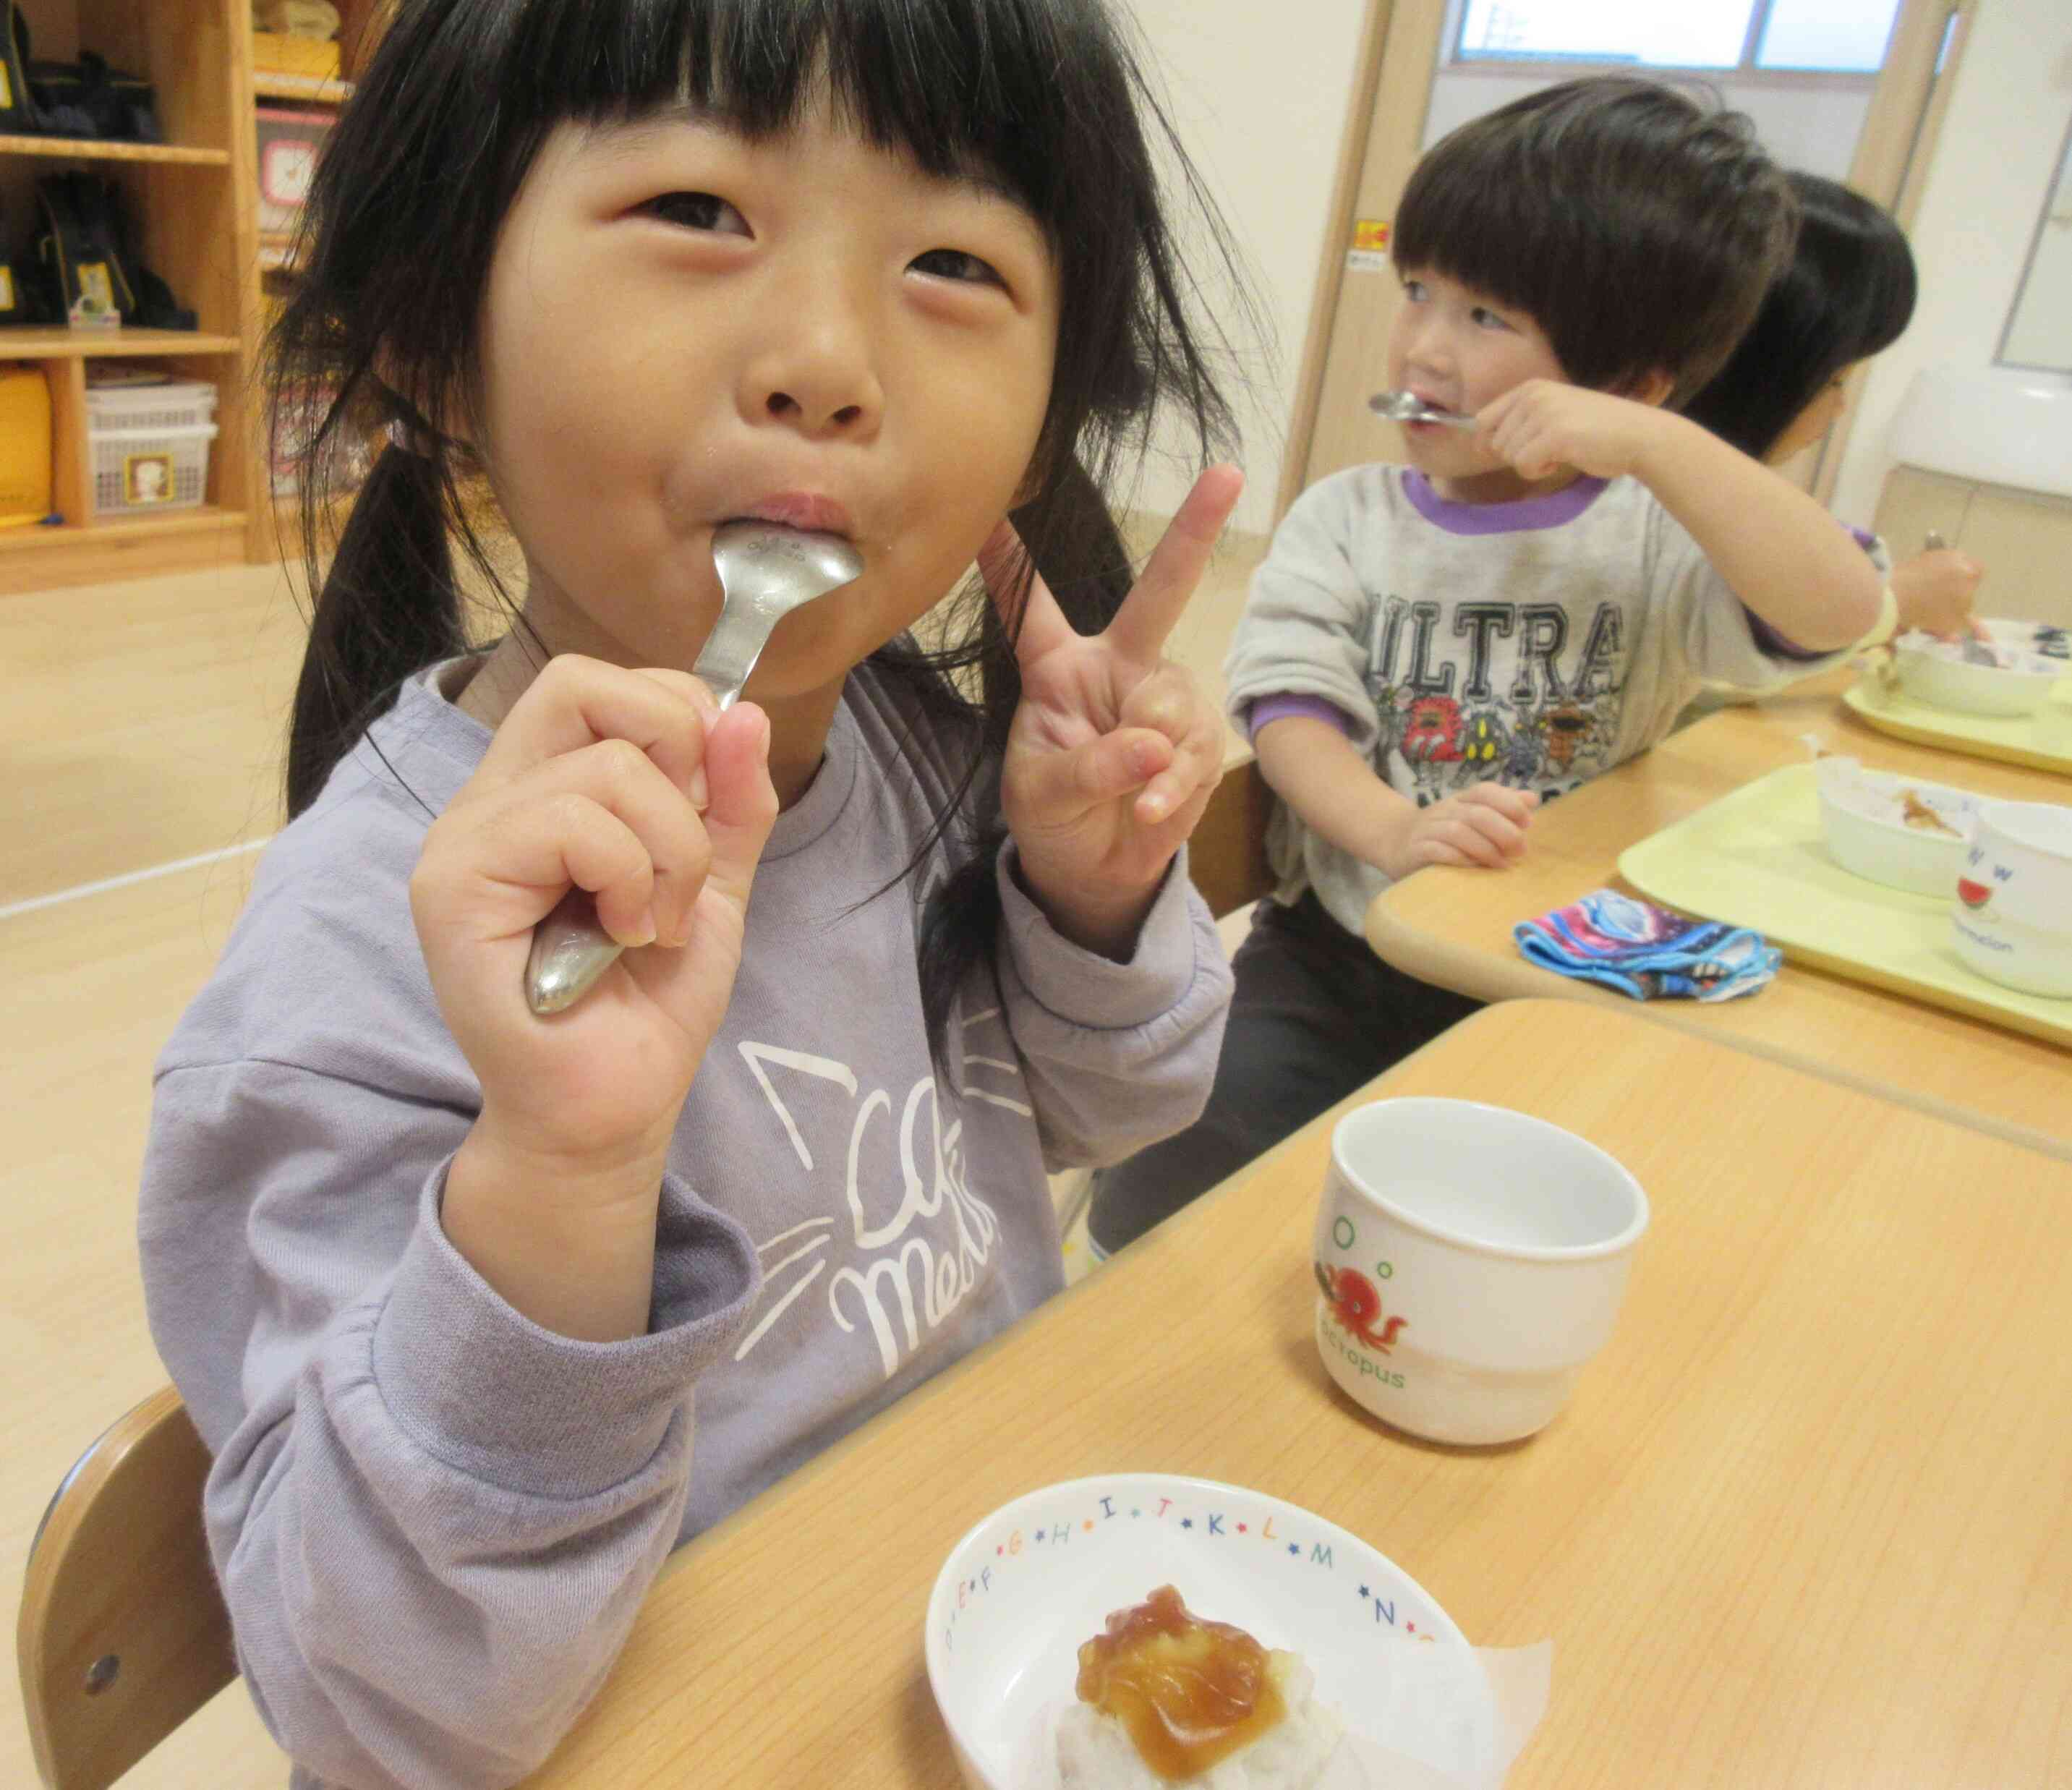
1757 859
2043 739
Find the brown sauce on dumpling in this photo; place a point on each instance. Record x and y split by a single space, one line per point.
1188 1692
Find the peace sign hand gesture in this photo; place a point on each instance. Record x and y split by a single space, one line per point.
1114 750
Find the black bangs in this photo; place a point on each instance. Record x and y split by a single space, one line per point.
965 91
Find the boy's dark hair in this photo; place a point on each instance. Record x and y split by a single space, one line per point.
1636 227
403 219
1846 293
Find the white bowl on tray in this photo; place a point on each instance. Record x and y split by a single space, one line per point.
1861 819
1936 672
2048 640
1013 1601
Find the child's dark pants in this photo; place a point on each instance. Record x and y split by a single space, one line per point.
1316 1015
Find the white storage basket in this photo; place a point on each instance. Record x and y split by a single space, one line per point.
150 445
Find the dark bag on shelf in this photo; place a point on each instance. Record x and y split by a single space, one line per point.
85 99
58 91
80 246
14 297
87 248
18 105
117 108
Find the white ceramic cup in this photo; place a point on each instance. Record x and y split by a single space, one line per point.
1469 1261
2013 914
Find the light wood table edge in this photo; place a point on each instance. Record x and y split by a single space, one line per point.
1481 978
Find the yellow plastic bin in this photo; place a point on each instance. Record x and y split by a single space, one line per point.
25 446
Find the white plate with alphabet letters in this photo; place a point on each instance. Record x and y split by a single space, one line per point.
1027 1585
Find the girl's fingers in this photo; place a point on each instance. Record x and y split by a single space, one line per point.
530 852
1032 618
516 831
1097 770
1193 773
576 703
1169 702
1152 608
744 802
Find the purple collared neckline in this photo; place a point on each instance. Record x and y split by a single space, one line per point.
1527 513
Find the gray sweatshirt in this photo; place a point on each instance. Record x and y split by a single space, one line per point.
434 1520
1536 644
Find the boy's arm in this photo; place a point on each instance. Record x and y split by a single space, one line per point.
1319 773
1777 549
1312 766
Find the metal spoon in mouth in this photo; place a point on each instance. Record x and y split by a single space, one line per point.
766 571
1408 407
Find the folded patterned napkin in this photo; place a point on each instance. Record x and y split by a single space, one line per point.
1647 952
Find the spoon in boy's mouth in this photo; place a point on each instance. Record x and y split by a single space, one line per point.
1408 407
766 571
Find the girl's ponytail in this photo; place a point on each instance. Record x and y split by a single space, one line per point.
389 606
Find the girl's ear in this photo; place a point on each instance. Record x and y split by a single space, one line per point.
409 418
1651 388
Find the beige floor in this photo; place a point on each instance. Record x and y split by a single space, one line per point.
139 727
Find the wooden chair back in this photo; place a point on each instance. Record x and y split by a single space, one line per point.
1226 855
122 1633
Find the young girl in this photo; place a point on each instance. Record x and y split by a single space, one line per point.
438 1278
1846 293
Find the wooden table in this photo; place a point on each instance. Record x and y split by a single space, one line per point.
1453 926
1806 1521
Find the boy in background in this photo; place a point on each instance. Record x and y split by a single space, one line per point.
1429 651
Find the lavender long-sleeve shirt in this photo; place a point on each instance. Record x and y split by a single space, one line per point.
432 1520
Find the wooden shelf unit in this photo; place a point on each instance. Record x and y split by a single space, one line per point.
194 200
190 201
81 149
35 342
322 89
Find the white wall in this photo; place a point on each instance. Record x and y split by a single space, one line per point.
1992 171
2042 335
1258 94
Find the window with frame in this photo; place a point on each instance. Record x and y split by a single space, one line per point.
1845 37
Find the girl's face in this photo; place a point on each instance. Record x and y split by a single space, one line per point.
1813 422
1459 349
683 326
